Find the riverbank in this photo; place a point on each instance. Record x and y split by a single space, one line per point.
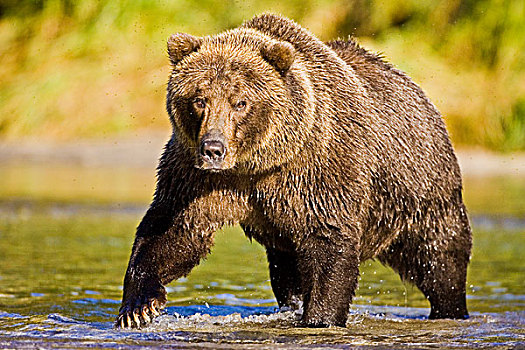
143 150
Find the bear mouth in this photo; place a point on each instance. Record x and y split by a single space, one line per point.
212 167
215 166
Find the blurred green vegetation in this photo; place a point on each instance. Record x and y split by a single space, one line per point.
90 68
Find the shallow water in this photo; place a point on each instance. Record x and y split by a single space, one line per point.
62 264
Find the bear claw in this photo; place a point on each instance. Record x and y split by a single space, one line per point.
138 316
145 315
153 306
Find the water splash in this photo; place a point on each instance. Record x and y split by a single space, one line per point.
248 327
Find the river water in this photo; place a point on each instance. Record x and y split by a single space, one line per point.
62 260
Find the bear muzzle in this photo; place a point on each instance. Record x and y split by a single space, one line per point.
213 150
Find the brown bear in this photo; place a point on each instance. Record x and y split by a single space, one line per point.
322 152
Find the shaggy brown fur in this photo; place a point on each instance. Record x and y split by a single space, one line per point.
323 153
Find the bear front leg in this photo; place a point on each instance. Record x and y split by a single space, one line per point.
285 278
330 274
144 295
158 258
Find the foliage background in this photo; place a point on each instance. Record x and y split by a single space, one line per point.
74 69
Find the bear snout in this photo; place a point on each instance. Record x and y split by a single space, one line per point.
213 150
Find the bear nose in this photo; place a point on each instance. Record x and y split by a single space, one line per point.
212 150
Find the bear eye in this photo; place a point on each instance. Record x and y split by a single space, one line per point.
199 102
241 105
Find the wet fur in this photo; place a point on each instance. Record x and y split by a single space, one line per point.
343 159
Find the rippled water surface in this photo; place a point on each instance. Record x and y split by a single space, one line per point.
62 264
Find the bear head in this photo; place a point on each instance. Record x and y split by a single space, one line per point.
238 101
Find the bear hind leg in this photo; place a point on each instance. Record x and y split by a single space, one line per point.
438 268
285 278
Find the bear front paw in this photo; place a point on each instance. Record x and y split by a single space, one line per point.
138 315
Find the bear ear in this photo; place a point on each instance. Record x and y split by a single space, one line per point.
280 55
180 45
